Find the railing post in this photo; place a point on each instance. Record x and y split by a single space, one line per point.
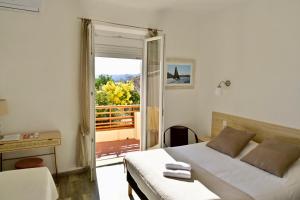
133 119
110 121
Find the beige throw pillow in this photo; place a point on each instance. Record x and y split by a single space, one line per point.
273 156
231 141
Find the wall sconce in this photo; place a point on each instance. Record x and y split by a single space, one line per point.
219 90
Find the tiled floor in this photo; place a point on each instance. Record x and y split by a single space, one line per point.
112 161
112 183
77 187
116 148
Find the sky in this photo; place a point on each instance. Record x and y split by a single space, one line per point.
113 66
182 69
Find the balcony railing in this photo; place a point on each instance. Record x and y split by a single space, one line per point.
115 117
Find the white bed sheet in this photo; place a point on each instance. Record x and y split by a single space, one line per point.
257 183
27 184
147 170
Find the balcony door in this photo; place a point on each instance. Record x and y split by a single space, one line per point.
152 100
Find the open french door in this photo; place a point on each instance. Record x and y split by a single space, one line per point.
92 144
152 93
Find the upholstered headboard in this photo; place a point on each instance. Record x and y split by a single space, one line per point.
262 129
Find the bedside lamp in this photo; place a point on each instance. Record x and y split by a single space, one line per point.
3 111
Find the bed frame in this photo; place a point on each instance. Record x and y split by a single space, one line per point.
133 185
263 130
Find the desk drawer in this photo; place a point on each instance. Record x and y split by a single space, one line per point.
28 145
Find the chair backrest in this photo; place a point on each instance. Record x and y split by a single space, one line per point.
179 135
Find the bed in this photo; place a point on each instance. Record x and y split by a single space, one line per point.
27 184
214 175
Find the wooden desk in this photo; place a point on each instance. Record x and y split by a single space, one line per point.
46 139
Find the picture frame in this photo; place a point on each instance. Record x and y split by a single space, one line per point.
179 73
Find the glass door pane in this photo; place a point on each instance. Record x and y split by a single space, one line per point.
153 91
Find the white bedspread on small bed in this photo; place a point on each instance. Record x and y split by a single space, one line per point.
256 183
27 184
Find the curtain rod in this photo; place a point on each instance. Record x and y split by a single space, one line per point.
20 9
114 23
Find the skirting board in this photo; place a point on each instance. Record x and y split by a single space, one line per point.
72 172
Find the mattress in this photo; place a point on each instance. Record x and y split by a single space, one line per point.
215 176
27 184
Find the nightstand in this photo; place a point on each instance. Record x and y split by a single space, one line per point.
204 138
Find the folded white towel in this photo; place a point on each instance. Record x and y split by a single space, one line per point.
177 173
178 165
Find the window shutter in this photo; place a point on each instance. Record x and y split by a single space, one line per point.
118 45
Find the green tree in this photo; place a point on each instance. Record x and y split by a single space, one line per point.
102 98
119 93
112 93
135 97
102 80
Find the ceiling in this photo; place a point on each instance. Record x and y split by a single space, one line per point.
175 5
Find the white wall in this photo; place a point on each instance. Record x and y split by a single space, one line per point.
182 38
102 10
39 67
256 45
39 72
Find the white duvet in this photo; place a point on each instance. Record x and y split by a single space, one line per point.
27 184
257 183
251 180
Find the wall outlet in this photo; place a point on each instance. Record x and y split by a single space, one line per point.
224 123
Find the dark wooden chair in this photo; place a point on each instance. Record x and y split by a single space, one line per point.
179 135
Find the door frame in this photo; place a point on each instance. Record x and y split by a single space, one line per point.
92 97
144 94
92 140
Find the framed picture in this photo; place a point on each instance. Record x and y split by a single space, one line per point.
179 73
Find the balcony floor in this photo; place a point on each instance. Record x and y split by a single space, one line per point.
116 148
